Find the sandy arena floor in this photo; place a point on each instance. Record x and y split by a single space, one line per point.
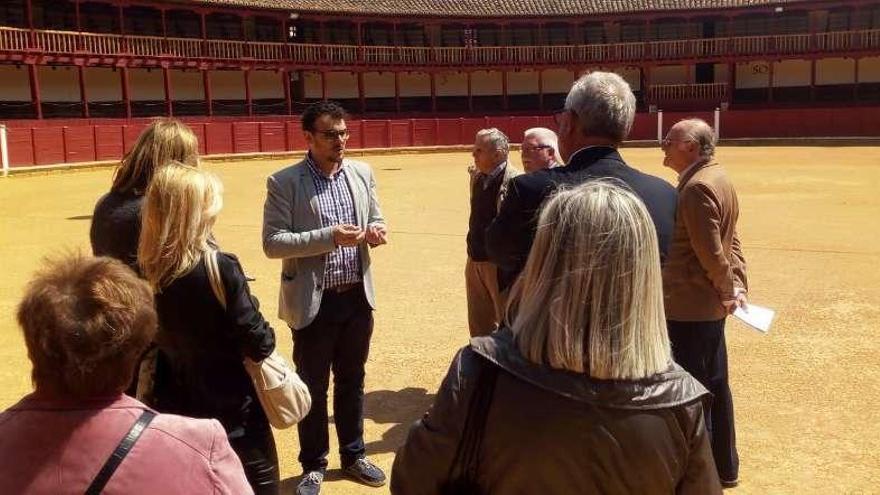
804 394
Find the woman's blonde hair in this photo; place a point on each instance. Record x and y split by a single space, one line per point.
163 141
590 298
180 208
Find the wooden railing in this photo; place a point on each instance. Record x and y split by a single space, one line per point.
66 42
666 92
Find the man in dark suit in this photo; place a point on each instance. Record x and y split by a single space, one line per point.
598 115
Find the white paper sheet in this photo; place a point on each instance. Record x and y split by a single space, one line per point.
757 317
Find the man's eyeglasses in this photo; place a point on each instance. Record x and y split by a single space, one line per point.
331 135
667 142
533 149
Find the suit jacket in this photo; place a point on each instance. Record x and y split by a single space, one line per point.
293 232
50 446
705 261
510 236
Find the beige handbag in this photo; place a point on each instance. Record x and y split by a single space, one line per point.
282 393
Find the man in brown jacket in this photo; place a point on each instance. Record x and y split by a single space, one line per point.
704 277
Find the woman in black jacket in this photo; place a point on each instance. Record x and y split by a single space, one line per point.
116 221
200 370
578 394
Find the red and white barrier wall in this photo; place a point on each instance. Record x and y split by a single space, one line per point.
51 142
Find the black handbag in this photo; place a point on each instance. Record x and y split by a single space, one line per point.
462 478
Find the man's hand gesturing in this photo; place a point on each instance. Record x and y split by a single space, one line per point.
347 235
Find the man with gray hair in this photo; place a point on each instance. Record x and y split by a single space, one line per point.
598 115
540 149
705 278
490 176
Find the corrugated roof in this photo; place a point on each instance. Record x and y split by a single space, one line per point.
488 8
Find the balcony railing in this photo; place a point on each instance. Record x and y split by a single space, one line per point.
65 42
678 92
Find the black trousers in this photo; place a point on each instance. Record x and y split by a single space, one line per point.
256 450
338 339
700 348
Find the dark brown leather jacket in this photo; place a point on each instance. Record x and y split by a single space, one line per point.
557 432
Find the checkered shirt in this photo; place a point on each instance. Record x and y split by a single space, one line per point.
336 207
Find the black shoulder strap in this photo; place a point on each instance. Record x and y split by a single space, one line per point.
120 452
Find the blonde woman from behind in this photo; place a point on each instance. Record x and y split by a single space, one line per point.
579 393
199 369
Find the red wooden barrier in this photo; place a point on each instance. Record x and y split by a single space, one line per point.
50 142
375 134
424 132
130 134
245 137
272 136
401 133
48 145
79 144
295 139
21 146
218 138
108 142
449 131
355 129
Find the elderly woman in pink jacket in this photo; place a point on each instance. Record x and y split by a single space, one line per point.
86 321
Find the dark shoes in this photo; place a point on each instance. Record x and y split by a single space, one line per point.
366 472
310 484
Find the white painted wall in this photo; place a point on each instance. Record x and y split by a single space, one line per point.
266 84
753 75
379 84
522 82
146 84
789 73
14 83
187 85
557 80
451 84
413 84
835 71
342 85
227 85
869 69
58 83
486 83
670 74
311 84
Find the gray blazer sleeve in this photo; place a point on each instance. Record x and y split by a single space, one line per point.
375 213
281 239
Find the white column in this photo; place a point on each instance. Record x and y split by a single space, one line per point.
717 123
4 151
659 126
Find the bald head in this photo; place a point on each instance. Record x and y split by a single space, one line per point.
688 141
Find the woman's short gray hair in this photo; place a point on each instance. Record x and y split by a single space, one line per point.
605 105
497 138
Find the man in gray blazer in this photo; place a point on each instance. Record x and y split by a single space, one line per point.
321 217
